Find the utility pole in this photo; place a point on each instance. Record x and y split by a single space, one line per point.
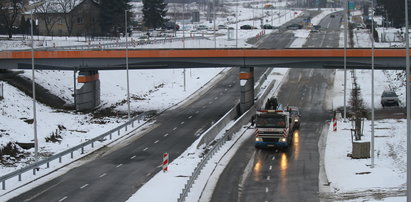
407 64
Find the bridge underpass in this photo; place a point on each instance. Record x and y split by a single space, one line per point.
88 62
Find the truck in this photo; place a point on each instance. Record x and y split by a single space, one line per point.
273 129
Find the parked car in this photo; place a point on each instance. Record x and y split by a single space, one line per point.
294 26
247 27
389 98
202 27
267 26
221 27
171 26
332 16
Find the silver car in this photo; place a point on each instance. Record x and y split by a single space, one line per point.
389 98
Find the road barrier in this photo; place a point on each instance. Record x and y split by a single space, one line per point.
165 162
238 124
35 167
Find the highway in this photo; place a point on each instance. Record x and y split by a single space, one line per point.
291 175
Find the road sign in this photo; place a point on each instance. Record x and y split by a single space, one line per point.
165 162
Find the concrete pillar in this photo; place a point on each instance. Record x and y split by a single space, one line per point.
247 88
88 95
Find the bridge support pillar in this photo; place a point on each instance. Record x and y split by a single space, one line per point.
88 95
247 88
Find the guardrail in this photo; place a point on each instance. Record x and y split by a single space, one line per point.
35 166
242 120
103 46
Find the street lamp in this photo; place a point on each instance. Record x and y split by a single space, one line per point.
36 143
128 83
372 84
407 64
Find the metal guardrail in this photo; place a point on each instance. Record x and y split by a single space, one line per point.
35 166
103 46
243 119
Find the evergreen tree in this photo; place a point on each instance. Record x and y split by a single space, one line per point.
154 12
112 15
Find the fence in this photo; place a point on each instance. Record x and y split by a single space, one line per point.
35 166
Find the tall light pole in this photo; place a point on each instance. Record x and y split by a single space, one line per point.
236 25
128 80
372 85
36 142
345 57
407 64
214 14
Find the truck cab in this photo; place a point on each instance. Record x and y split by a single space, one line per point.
273 129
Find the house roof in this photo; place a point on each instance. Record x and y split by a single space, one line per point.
55 6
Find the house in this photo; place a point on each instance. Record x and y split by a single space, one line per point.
80 19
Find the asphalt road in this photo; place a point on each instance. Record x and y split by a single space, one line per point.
329 34
116 175
291 175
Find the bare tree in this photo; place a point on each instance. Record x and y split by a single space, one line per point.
66 7
46 12
9 10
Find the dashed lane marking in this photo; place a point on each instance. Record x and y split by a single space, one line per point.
62 199
156 141
102 175
182 123
145 149
268 177
133 157
190 117
197 112
175 128
148 174
215 98
273 158
119 165
226 89
165 135
84 186
271 167
266 189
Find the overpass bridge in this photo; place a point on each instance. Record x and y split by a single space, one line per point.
88 62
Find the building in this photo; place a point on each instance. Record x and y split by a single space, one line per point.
79 20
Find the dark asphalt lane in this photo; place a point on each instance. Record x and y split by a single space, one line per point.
329 34
116 175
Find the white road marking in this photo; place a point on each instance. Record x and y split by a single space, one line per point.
271 167
273 158
133 157
84 186
221 93
197 112
102 175
156 141
145 149
119 165
215 98
165 135
210 102
148 174
190 117
266 189
204 107
182 123
62 199
268 177
175 128
226 89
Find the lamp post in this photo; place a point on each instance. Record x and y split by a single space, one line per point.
345 57
407 64
372 84
128 81
236 25
36 143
